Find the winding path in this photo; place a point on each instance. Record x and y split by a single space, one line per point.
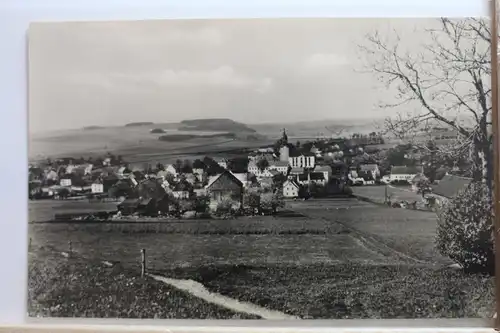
198 290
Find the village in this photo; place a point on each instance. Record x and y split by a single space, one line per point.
257 183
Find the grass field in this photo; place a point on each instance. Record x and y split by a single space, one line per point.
377 193
45 210
73 288
339 258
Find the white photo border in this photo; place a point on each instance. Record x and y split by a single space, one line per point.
15 17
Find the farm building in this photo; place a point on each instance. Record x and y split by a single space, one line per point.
225 187
138 206
448 188
405 173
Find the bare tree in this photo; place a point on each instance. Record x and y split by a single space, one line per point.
446 83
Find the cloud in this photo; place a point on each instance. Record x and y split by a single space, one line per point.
323 61
221 77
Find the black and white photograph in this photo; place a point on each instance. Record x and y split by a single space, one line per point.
279 169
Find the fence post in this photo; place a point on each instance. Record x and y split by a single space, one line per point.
69 248
29 244
143 262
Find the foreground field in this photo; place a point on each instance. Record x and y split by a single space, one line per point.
73 288
333 259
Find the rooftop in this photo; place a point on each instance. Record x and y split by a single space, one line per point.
406 170
368 167
451 185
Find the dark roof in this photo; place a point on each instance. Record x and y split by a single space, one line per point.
367 176
406 170
450 186
225 180
293 182
296 153
182 186
317 176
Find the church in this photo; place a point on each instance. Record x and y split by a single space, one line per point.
295 158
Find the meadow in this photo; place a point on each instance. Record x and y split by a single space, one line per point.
330 259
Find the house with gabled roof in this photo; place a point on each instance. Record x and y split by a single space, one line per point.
291 189
172 170
326 170
448 188
181 190
405 173
372 168
280 166
225 187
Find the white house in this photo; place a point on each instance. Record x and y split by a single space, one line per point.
253 168
65 182
172 170
291 189
280 166
180 194
97 188
88 169
404 173
304 160
51 175
373 169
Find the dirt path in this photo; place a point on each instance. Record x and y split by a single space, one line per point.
198 290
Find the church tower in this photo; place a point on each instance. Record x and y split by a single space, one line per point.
284 149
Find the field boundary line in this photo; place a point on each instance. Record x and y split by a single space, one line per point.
198 290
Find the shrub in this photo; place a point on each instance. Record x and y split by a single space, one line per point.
465 231
224 208
347 190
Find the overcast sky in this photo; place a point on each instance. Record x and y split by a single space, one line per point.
111 73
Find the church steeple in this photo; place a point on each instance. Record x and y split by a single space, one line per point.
284 138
